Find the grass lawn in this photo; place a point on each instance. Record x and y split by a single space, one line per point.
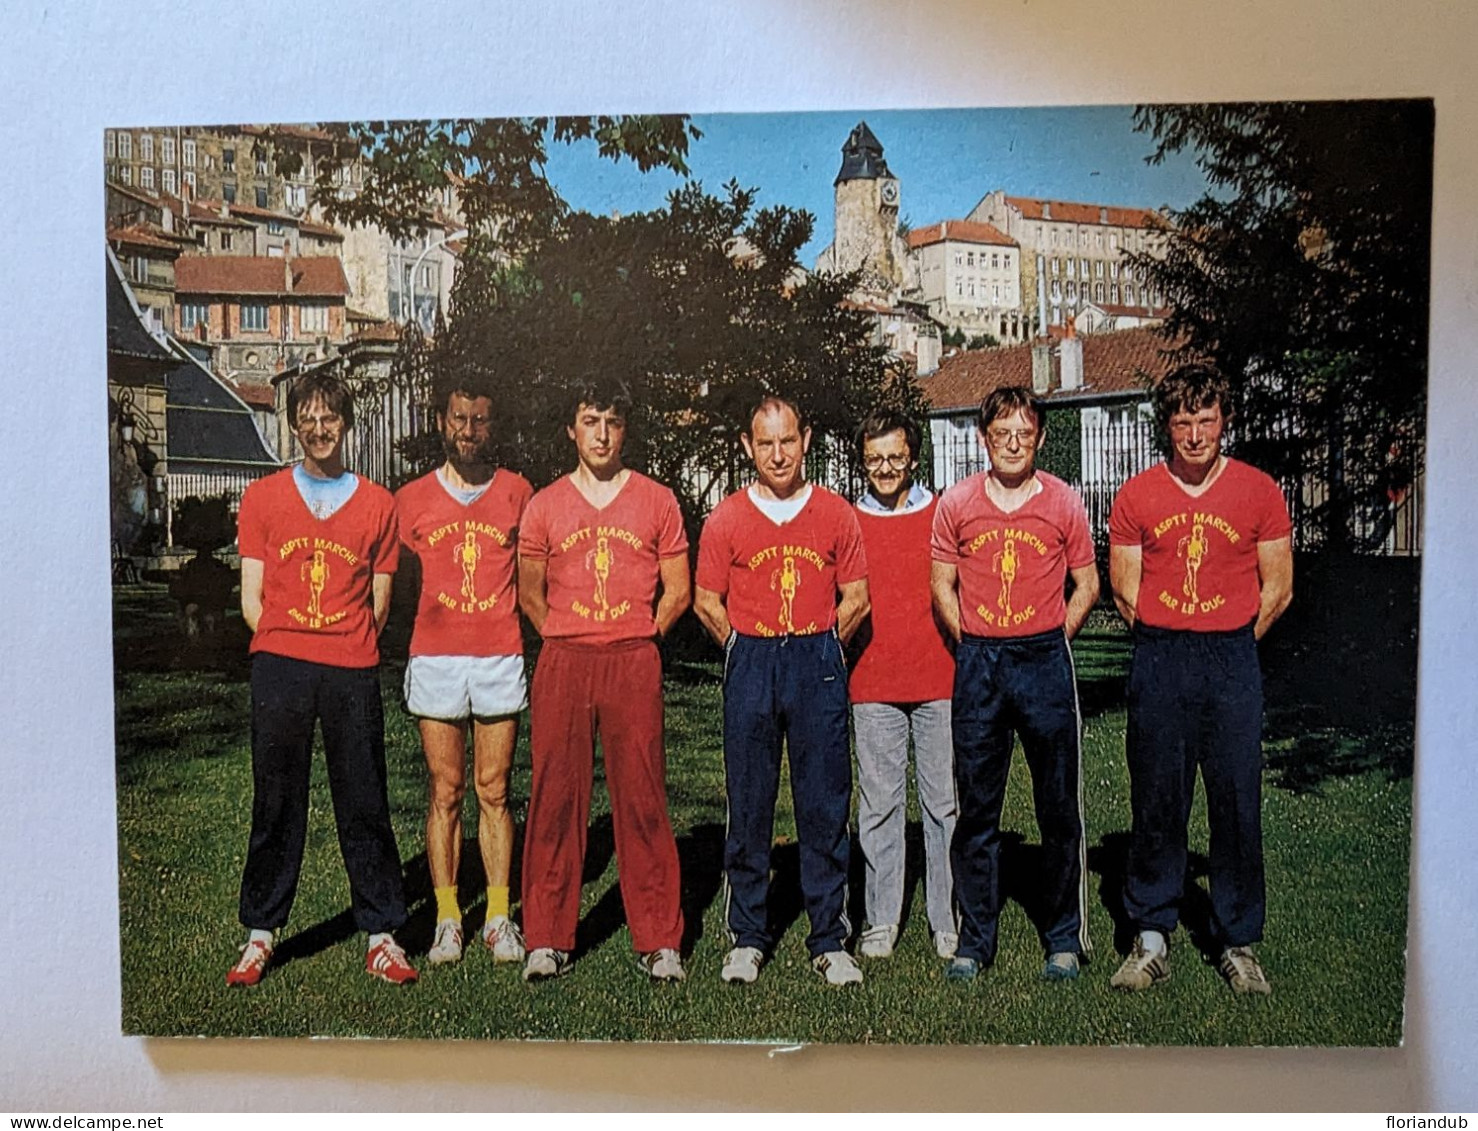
1337 860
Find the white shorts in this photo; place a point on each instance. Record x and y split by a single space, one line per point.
458 687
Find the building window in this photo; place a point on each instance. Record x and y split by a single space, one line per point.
187 152
1072 292
125 146
1056 291
970 259
167 179
228 160
125 174
1114 293
1128 270
261 164
1114 269
189 176
296 196
996 291
275 253
959 287
1054 237
253 315
1098 240
110 145
995 260
1072 268
313 319
274 227
166 150
426 277
261 197
138 267
1114 243
210 161
146 176
228 193
146 147
1097 292
1056 266
226 241
959 259
194 314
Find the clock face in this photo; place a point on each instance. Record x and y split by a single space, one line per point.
890 192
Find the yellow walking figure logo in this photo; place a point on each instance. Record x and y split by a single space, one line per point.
1004 562
787 579
599 561
315 573
1193 549
466 554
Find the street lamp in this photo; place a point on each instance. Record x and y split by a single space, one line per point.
460 233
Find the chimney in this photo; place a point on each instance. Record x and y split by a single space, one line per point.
1102 215
1046 210
1041 293
927 353
287 272
1070 359
1041 367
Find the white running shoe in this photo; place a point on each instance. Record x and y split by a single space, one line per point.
838 968
448 944
545 962
877 942
664 965
503 939
742 964
946 943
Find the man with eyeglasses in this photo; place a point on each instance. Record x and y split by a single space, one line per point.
318 555
1005 542
1201 563
466 658
900 689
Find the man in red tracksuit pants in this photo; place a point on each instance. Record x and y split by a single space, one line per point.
603 575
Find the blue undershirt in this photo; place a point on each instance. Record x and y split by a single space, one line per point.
324 496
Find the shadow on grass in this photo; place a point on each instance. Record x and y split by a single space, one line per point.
1109 861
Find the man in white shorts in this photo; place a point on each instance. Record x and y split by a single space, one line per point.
466 659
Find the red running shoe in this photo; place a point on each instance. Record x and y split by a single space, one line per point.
388 963
251 965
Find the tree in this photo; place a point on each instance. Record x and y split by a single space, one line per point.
1303 273
697 308
494 165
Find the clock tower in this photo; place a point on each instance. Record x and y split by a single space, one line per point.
866 236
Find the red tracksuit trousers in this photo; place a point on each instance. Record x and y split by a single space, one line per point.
615 690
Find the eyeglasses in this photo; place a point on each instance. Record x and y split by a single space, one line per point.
1000 437
460 421
896 462
329 421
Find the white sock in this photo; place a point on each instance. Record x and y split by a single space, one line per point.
383 936
263 937
1153 941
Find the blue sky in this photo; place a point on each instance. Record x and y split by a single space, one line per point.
945 160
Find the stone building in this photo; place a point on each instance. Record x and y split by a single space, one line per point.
866 235
1072 253
968 275
147 254
261 314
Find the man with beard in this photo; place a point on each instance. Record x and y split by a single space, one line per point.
782 585
603 575
466 662
318 555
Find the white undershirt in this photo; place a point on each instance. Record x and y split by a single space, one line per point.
781 511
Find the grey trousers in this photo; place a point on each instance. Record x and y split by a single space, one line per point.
882 778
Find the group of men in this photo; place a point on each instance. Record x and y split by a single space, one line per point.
941 622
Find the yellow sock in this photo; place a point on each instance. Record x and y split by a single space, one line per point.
446 904
497 901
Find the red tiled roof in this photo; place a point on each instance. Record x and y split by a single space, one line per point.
1132 311
143 235
313 228
265 213
1112 363
133 194
961 231
1073 212
321 275
258 396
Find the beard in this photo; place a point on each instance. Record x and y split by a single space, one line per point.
474 465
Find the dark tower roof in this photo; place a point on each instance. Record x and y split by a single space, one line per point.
862 157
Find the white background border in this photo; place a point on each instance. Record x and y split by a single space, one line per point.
65 74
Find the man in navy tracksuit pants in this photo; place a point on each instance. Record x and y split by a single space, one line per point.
1005 541
772 562
1201 563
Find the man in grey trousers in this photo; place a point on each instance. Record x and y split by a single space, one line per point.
901 685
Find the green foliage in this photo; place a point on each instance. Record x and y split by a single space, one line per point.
1304 274
1061 453
694 308
495 166
982 342
203 524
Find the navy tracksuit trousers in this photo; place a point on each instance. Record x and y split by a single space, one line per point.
1023 685
287 698
790 690
1195 699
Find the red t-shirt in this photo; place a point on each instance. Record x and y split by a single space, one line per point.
781 578
1200 553
904 658
468 553
317 603
602 564
1012 567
